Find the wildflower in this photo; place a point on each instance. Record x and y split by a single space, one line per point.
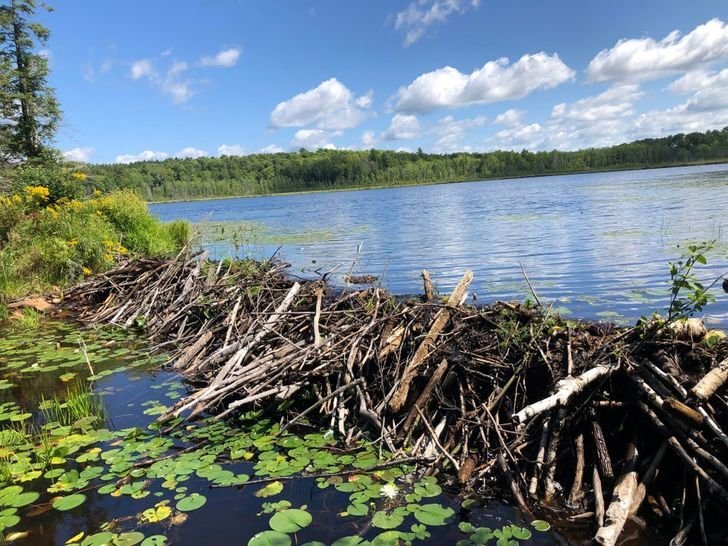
86 271
72 243
53 212
109 244
37 193
389 491
122 250
96 193
79 176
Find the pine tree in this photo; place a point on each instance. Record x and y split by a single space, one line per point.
29 111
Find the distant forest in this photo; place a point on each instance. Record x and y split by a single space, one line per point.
338 169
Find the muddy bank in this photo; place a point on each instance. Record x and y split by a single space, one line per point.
585 420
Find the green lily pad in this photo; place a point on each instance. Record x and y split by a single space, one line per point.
270 538
128 539
191 502
387 520
98 539
432 514
20 499
155 540
541 525
69 502
290 521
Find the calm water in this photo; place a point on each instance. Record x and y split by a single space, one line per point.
597 245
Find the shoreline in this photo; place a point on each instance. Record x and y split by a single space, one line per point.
444 182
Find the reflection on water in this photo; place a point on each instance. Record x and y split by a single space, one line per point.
597 243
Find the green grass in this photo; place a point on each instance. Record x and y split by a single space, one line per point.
80 405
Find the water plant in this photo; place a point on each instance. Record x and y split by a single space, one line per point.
688 294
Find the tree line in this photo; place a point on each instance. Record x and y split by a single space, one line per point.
261 174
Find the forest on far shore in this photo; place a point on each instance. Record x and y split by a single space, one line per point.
261 174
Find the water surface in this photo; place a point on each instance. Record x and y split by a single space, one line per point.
596 245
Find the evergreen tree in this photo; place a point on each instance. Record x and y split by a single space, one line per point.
29 111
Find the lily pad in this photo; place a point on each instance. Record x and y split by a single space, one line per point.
270 538
432 514
191 502
541 525
270 490
69 502
290 521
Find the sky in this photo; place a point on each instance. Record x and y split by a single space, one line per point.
190 78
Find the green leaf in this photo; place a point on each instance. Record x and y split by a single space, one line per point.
521 533
433 514
385 520
191 502
353 540
357 509
128 539
290 521
388 538
155 540
270 538
69 502
98 539
541 525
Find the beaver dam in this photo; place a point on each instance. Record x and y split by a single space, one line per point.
569 419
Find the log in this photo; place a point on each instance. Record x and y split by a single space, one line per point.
711 382
429 292
622 499
424 397
598 496
566 389
576 494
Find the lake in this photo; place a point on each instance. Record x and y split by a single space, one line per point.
596 246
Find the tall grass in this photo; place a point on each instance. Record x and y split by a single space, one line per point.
81 405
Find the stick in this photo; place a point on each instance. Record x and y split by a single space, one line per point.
566 389
443 316
622 498
576 493
598 496
711 382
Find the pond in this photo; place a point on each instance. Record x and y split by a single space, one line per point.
596 246
84 461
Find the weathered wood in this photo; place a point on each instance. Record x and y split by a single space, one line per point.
711 382
622 499
423 351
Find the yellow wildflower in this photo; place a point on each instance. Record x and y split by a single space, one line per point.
86 271
108 257
79 176
96 193
72 243
39 193
110 245
122 250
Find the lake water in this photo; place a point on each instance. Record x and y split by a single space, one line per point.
594 245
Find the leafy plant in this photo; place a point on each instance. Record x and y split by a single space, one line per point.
688 294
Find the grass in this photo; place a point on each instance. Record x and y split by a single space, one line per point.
80 405
29 320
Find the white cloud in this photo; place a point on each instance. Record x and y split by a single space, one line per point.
510 117
82 155
365 101
452 132
230 149
190 153
368 139
143 68
225 58
330 106
496 81
146 155
645 58
420 15
615 102
271 149
519 137
313 139
402 127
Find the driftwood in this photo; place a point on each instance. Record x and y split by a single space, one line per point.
501 396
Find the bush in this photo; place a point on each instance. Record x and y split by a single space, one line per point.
44 243
60 178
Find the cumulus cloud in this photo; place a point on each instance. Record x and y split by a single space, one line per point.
230 149
314 139
451 133
271 149
645 58
420 15
368 139
600 120
402 127
510 117
225 58
82 155
496 81
146 155
329 106
190 153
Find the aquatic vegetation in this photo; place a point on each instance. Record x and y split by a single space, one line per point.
80 407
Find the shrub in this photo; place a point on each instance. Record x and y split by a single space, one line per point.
45 243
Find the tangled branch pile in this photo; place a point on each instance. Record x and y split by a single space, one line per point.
599 421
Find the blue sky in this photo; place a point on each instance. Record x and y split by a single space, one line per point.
150 80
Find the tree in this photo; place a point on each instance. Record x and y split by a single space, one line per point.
29 111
